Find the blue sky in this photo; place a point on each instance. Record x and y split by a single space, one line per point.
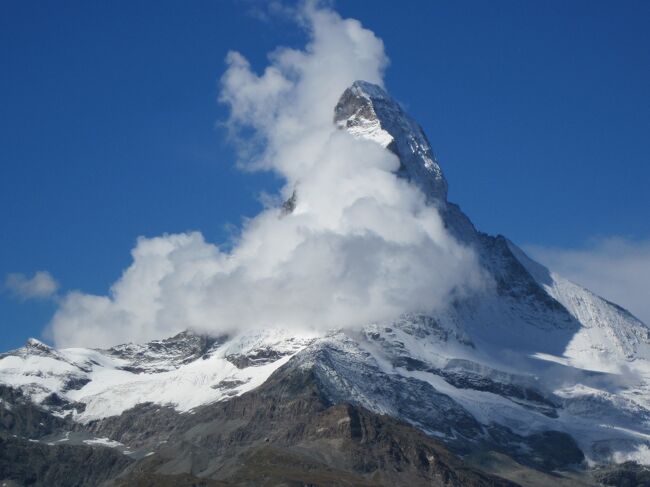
539 114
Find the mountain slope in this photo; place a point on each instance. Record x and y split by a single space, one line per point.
530 367
289 430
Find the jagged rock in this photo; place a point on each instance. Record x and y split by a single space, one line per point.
41 465
367 111
288 431
628 474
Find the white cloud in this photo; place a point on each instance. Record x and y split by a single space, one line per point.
616 268
636 453
361 245
40 286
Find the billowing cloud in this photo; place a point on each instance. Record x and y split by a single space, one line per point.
361 244
40 286
616 268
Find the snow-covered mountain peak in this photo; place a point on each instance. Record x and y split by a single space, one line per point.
34 348
37 347
369 91
530 360
368 112
33 342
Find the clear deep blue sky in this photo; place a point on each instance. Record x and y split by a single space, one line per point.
538 111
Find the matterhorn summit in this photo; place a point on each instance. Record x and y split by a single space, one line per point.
529 373
367 111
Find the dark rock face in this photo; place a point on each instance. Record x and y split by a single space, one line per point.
156 480
629 474
145 424
256 358
289 205
554 449
38 464
288 433
75 383
20 417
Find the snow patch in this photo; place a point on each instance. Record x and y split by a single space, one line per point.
103 442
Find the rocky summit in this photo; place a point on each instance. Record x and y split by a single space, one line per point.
531 380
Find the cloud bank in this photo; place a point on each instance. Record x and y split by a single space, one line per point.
40 286
360 246
616 268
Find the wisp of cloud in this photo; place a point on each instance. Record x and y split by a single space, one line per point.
616 268
361 245
40 286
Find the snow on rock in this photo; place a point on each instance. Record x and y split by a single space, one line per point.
165 372
367 111
103 442
609 336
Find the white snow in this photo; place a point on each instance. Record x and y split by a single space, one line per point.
111 390
103 442
370 130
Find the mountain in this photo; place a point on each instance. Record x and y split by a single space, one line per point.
532 380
